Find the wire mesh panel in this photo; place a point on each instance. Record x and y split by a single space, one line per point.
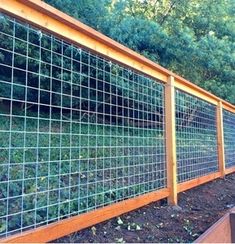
196 135
77 131
229 138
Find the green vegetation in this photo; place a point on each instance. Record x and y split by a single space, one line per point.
229 138
194 38
104 164
78 131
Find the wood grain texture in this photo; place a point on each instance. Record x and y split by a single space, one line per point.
220 138
171 140
220 232
230 170
223 231
198 181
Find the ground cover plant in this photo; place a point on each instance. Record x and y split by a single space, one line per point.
79 131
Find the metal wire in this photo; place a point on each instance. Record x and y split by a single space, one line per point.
196 135
229 138
77 131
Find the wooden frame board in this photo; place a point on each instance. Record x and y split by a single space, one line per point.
67 226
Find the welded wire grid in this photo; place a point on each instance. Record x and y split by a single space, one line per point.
229 138
196 137
77 131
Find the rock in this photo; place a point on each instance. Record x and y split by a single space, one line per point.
177 208
230 205
119 221
118 228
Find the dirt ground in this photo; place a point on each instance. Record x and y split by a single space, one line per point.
198 209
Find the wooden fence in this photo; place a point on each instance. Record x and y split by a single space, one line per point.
179 176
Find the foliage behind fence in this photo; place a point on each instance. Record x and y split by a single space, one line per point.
79 131
229 138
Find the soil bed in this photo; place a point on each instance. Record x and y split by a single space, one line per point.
198 209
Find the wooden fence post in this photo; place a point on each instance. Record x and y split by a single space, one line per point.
220 139
171 141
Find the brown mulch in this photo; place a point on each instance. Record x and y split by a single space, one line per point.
198 209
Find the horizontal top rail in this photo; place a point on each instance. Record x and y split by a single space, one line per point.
50 19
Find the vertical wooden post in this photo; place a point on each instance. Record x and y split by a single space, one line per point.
171 140
220 139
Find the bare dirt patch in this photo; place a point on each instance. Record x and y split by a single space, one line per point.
198 209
